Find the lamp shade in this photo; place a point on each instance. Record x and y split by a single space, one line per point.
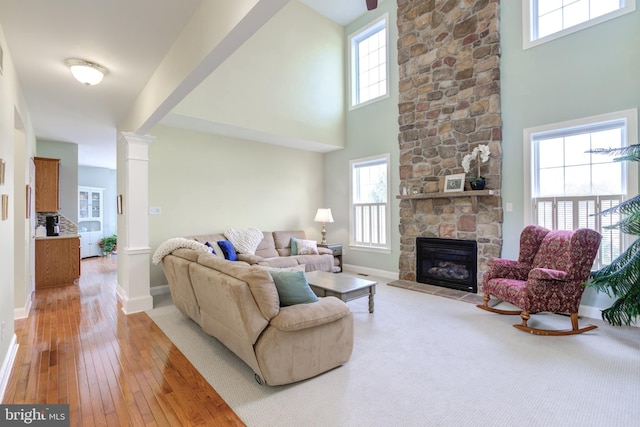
86 72
323 215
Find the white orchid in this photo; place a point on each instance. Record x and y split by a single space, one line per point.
481 153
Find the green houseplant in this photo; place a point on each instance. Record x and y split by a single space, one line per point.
109 244
621 278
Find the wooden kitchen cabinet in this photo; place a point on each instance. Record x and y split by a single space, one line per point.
57 261
47 184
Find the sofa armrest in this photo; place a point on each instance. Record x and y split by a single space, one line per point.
548 274
506 269
323 251
250 259
303 316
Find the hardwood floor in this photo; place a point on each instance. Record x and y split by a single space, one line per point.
77 347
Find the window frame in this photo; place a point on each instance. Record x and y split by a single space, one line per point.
353 39
629 185
528 7
386 248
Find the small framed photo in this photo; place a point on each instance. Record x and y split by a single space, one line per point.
454 183
5 207
28 195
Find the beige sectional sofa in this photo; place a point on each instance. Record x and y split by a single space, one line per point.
275 251
239 305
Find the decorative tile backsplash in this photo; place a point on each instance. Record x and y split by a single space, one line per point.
66 225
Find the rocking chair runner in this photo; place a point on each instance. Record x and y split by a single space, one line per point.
548 276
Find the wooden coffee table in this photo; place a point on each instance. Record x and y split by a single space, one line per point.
341 286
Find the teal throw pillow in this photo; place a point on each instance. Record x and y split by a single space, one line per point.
294 246
293 288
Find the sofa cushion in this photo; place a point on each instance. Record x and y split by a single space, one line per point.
292 287
304 316
203 238
259 281
267 248
279 262
250 259
315 262
227 250
245 240
283 240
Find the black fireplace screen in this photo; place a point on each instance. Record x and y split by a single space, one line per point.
450 263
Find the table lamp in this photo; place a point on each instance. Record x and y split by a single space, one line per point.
323 215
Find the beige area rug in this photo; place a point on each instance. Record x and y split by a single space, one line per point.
424 360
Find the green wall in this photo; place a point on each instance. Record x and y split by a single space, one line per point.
590 72
207 183
68 155
17 147
89 176
286 81
371 130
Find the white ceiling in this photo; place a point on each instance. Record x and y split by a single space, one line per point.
129 38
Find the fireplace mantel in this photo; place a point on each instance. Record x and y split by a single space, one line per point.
474 194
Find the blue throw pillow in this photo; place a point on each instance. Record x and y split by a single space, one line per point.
213 251
294 246
292 287
228 250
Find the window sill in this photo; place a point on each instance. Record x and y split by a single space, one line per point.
370 249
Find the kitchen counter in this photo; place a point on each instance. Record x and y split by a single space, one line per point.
57 260
61 236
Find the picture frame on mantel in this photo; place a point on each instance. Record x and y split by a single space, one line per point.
454 183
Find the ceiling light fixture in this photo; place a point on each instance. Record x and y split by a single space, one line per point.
87 73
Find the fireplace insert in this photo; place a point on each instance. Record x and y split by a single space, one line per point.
450 263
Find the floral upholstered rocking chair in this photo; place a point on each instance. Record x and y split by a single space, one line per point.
548 276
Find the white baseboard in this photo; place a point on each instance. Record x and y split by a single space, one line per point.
371 271
133 305
7 364
159 290
23 313
596 313
590 312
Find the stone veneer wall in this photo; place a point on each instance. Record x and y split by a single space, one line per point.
449 59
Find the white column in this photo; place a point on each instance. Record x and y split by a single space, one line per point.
133 223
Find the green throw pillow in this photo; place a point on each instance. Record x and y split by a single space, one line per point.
293 288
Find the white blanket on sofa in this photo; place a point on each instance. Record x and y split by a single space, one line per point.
171 245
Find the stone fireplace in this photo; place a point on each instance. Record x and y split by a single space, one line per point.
449 103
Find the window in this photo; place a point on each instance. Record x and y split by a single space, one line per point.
370 203
368 63
569 185
546 20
